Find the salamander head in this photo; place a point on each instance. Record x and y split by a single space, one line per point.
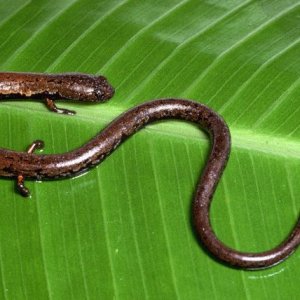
102 89
87 88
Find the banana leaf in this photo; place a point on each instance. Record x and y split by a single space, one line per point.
123 230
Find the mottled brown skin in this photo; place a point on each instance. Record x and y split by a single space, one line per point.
68 86
50 166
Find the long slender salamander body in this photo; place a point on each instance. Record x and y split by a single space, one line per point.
50 87
49 166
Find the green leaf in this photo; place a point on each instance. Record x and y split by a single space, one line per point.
123 230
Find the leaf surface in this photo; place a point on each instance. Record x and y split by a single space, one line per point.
124 230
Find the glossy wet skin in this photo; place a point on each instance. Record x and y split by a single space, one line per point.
72 86
51 166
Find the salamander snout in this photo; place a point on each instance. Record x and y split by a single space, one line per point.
102 89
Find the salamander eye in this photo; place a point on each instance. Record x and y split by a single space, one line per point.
104 92
99 94
102 89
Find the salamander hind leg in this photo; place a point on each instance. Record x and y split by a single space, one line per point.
23 190
52 106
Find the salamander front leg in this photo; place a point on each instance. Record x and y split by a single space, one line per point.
23 190
52 106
